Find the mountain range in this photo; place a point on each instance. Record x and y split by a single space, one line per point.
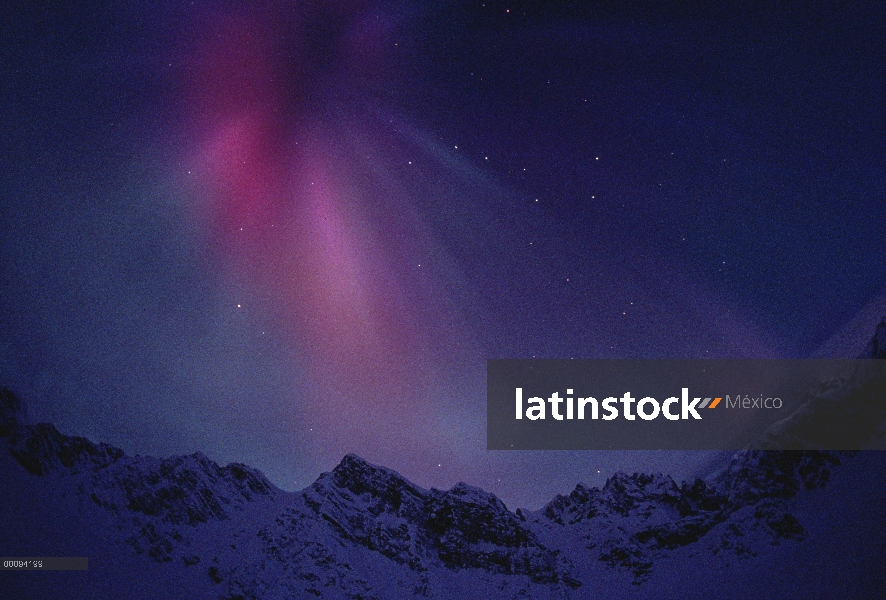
775 524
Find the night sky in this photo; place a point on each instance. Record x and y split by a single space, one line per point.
278 232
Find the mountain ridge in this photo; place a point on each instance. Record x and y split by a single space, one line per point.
366 531
628 524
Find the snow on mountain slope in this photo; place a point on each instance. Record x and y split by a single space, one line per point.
160 527
770 524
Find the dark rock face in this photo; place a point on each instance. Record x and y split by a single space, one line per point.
371 506
473 529
41 449
462 528
382 490
757 475
636 519
179 490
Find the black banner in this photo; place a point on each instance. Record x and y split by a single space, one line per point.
685 404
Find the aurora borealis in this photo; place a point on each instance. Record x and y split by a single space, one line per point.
279 232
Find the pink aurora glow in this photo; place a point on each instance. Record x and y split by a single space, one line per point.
335 260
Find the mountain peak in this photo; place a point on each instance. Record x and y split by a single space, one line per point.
41 448
640 485
472 495
359 484
351 461
358 476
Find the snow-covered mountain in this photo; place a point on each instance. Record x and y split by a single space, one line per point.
769 524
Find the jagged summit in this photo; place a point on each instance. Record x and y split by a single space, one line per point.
42 449
358 475
463 528
356 482
179 489
471 493
351 459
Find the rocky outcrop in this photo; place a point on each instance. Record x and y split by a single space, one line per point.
179 490
461 528
41 449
